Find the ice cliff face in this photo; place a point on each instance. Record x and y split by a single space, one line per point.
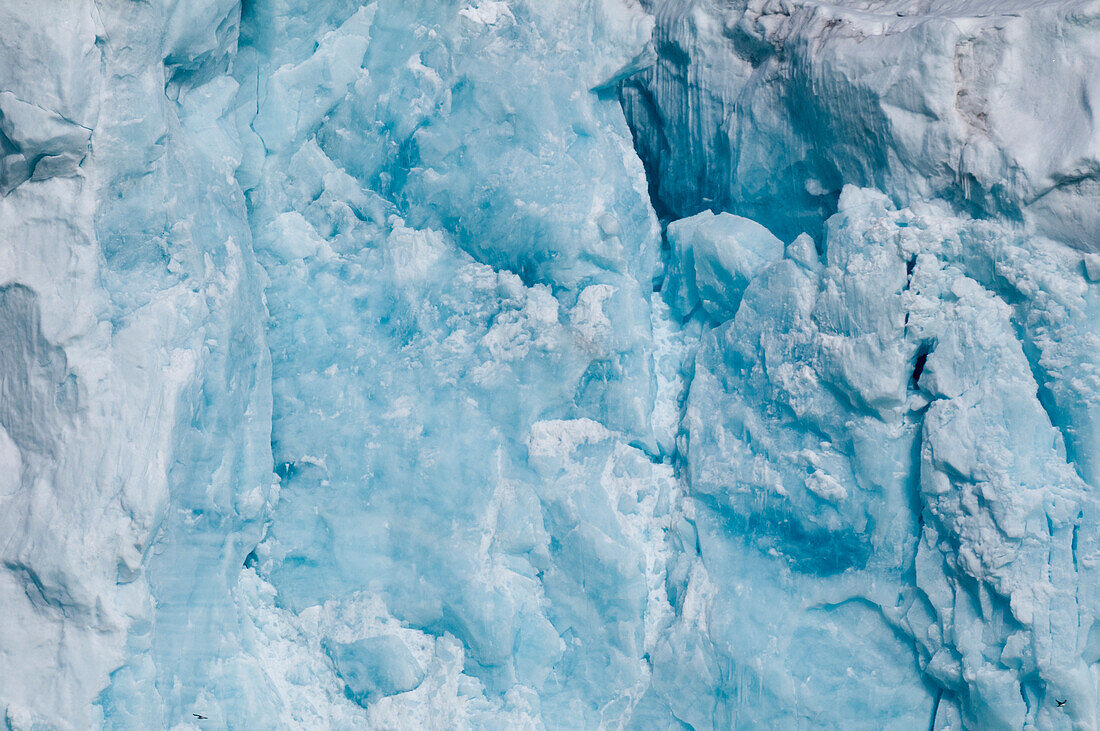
769 108
135 374
350 379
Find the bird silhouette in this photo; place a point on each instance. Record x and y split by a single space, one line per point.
201 718
1060 703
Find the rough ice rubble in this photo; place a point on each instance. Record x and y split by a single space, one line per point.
883 515
883 446
767 108
826 383
481 349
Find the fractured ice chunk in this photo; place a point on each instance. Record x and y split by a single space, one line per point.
37 143
713 259
375 667
1092 267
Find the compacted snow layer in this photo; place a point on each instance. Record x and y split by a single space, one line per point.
349 378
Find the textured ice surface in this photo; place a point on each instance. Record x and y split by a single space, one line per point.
348 378
713 259
769 107
870 428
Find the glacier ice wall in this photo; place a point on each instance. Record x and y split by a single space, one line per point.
768 108
136 381
568 364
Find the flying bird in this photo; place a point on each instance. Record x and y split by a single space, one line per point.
201 718
1060 702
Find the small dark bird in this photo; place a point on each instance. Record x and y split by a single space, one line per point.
201 718
1060 703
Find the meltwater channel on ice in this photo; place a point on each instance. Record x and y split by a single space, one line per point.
550 364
